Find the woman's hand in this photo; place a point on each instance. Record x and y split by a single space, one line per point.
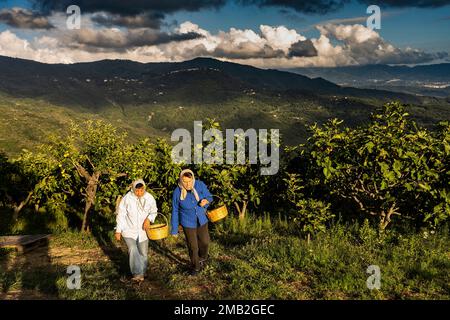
204 202
118 236
146 224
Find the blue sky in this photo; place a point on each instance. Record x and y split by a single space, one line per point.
424 29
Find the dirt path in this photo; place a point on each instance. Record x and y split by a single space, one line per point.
43 257
59 257
55 258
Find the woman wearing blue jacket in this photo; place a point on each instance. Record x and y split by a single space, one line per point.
190 201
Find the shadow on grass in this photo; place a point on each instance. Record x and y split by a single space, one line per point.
151 288
32 271
162 248
117 254
233 240
26 274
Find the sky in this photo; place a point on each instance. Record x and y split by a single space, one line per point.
262 33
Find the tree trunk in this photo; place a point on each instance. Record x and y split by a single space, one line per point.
91 191
238 208
19 208
242 210
86 210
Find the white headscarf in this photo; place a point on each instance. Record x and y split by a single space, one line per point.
183 188
141 201
136 182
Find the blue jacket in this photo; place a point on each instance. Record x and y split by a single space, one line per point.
187 212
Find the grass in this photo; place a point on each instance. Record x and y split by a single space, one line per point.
258 258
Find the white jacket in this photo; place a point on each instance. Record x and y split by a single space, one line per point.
132 213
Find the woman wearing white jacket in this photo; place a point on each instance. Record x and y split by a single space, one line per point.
135 212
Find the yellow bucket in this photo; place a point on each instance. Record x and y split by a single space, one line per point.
158 231
217 214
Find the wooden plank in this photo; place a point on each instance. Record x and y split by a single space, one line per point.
33 245
23 243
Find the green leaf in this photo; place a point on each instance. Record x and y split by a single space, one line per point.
424 186
369 146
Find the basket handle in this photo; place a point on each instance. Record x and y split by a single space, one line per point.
165 218
220 198
216 196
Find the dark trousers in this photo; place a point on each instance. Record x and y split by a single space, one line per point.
197 241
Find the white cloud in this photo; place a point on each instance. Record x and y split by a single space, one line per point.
10 44
280 37
365 46
349 34
268 47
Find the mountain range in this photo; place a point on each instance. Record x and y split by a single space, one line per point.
431 80
153 99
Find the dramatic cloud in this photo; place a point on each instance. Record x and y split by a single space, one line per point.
91 39
129 7
130 13
365 46
151 13
303 49
268 47
320 6
275 47
327 6
160 8
409 4
138 30
151 20
24 19
236 44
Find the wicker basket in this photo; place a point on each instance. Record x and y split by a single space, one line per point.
217 214
158 231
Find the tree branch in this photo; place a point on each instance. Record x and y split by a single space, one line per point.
82 171
362 206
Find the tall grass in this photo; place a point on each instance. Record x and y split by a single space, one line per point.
263 257
334 264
